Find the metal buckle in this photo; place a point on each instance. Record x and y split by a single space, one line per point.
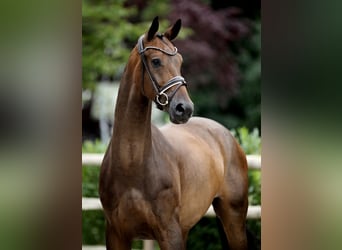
166 99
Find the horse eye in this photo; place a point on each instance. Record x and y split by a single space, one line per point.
156 62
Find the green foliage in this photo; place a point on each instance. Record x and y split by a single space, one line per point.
250 142
161 7
90 181
105 38
90 174
96 146
93 228
110 30
254 190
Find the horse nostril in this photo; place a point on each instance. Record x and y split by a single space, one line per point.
180 108
181 112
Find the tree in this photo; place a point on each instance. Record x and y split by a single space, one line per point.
106 39
221 54
222 59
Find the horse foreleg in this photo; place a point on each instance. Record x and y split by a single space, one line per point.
171 238
114 241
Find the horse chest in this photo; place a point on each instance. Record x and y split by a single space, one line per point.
143 196
132 202
137 214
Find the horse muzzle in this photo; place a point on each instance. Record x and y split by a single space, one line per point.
180 111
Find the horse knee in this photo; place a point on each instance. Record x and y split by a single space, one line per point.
172 239
172 244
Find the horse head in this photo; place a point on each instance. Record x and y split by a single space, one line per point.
162 81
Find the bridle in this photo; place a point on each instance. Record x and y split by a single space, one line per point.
177 81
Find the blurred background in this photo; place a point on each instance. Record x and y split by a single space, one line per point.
220 44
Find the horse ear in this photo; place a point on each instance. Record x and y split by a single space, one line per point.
153 29
172 32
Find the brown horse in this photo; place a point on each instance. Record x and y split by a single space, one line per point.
158 183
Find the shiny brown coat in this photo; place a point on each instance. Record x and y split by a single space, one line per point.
158 183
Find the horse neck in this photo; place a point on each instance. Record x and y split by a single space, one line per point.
131 141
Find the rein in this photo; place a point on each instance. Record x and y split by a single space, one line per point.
177 81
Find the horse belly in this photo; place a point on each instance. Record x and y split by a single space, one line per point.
201 175
201 183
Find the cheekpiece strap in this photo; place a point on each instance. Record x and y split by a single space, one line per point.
161 99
